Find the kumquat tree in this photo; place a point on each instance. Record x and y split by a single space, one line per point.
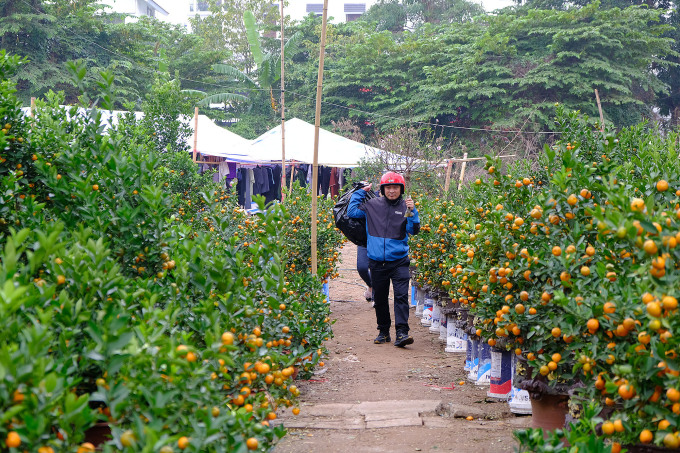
168 320
575 270
143 309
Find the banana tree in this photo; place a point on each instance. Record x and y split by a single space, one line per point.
267 71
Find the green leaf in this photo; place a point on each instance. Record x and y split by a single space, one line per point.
253 36
50 382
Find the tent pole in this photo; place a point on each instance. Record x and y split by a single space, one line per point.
195 132
317 125
283 117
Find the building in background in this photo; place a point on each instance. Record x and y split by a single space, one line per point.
338 11
137 8
181 11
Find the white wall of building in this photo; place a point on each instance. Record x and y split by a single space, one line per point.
137 8
338 10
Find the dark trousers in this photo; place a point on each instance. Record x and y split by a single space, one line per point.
362 265
382 272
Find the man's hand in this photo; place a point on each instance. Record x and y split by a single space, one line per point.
409 203
368 187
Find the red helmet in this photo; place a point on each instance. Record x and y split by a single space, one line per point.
390 178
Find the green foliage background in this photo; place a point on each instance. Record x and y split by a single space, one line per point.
441 62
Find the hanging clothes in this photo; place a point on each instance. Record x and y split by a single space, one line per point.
276 174
324 179
274 192
241 185
232 170
289 170
261 183
335 183
301 174
249 188
222 170
231 174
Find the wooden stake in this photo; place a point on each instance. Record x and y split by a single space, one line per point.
462 171
317 126
32 107
599 108
195 132
449 164
283 117
292 176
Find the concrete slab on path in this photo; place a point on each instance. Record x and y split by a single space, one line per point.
328 410
363 415
325 423
394 423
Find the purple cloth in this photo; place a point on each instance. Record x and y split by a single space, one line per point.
232 170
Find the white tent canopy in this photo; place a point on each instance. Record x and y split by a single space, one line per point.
334 150
214 140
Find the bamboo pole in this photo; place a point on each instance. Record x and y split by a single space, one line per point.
599 108
195 132
32 107
317 125
283 116
462 171
292 176
447 182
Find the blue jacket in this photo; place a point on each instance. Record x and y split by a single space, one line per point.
386 227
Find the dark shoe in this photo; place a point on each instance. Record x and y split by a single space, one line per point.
403 339
383 338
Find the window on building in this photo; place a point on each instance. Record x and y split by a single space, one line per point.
353 11
316 8
355 8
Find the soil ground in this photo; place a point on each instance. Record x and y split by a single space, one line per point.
379 398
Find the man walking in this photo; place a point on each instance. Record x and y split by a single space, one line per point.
388 226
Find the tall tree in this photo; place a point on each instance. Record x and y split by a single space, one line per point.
388 15
224 27
668 69
370 72
148 45
506 70
397 15
441 11
670 74
50 34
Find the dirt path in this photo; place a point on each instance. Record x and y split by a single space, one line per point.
378 398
